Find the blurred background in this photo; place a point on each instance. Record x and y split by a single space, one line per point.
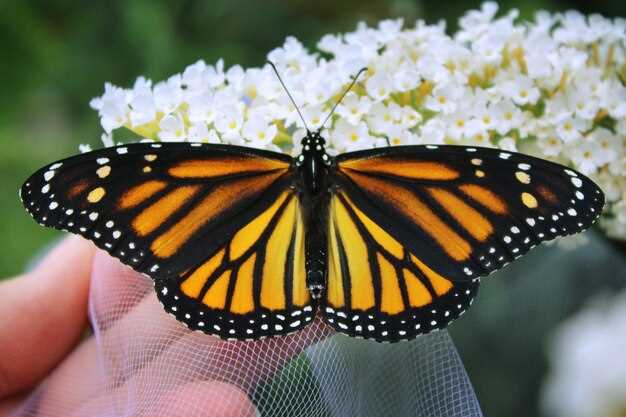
56 55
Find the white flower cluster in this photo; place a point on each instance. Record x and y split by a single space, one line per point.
553 88
588 370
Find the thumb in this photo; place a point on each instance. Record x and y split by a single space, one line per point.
43 314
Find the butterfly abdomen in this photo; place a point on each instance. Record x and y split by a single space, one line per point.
316 242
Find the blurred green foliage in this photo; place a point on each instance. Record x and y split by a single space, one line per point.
56 55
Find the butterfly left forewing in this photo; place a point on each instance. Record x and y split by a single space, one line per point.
158 207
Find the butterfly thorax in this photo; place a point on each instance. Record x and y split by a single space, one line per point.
313 162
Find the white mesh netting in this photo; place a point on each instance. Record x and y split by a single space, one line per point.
141 362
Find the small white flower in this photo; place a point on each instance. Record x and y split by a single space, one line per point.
168 94
611 185
520 89
406 79
618 167
214 75
258 132
199 132
409 117
379 86
353 107
229 121
459 127
172 128
347 137
585 155
579 102
195 75
433 132
609 145
201 107
112 107
143 107
381 117
444 99
550 145
508 144
107 139
615 100
570 128
398 135
507 116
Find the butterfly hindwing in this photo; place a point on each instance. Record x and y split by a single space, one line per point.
379 290
251 287
468 211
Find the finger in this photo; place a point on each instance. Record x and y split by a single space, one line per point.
79 377
43 314
130 329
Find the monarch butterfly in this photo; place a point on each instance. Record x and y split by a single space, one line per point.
387 243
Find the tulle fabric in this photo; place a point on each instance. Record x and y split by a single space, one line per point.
142 362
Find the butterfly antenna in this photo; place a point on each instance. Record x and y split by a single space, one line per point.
354 80
289 94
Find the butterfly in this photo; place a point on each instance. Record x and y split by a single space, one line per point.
242 243
385 244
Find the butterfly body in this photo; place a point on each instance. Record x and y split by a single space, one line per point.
313 166
386 244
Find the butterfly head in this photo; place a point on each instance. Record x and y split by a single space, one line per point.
313 148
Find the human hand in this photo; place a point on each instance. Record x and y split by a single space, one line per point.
138 361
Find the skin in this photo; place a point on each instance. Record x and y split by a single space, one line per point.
44 316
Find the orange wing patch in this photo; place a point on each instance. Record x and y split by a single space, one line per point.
154 215
475 223
485 197
218 200
140 193
259 255
407 203
403 280
346 237
547 194
419 170
77 188
219 167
